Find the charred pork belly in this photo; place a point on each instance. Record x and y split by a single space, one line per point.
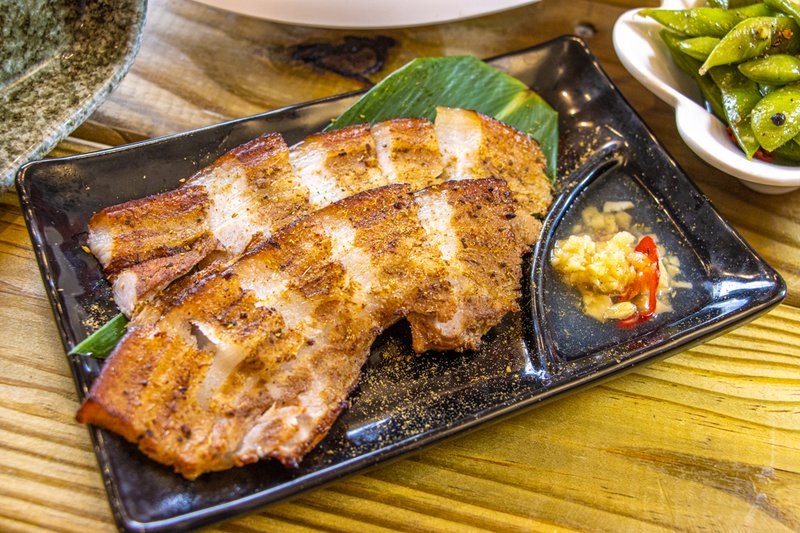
259 187
256 358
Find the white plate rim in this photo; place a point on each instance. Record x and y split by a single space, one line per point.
364 14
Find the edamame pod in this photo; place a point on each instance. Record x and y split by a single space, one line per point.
778 69
748 39
710 91
789 7
739 96
766 88
786 39
697 22
731 4
776 117
789 152
755 10
698 47
706 21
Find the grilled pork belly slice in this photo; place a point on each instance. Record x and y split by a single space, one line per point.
408 152
263 185
256 360
145 244
128 234
337 164
476 146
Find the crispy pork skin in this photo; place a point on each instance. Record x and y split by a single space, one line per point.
145 244
253 190
149 228
256 359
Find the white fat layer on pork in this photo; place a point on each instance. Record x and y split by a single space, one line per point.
233 211
297 420
308 420
384 139
272 290
454 326
374 177
125 291
460 136
101 242
302 418
308 165
436 216
227 355
253 441
356 262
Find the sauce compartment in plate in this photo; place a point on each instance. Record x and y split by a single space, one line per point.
568 332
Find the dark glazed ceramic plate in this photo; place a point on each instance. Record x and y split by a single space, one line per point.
403 404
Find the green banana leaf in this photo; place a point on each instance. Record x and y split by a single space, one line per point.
100 343
416 89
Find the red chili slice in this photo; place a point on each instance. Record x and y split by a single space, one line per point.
645 280
764 155
761 154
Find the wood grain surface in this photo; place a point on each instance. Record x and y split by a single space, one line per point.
708 440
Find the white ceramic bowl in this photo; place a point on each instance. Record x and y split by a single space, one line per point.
644 54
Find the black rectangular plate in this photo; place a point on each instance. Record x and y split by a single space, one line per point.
404 403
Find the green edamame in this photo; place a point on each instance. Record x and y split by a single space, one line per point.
750 75
788 7
698 47
697 22
739 96
706 21
786 39
755 10
766 88
776 117
709 90
748 39
778 69
788 152
731 4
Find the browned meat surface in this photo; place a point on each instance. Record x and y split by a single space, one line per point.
256 359
145 244
262 185
408 152
476 146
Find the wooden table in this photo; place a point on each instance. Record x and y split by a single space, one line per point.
707 440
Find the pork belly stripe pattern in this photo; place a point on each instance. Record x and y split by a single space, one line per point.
257 359
259 187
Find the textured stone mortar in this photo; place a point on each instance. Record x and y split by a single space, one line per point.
59 59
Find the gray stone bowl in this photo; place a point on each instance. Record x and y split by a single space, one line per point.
59 59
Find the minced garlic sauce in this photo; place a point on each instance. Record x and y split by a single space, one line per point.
600 261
